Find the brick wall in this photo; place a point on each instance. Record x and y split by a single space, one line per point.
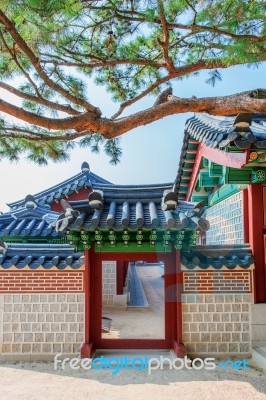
238 281
226 221
41 281
217 324
41 324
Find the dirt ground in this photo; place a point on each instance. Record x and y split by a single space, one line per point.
32 381
147 323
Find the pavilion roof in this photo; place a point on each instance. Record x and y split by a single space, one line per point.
83 179
132 207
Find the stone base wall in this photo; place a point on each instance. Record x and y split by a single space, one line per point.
217 324
41 324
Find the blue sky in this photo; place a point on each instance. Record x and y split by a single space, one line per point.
150 153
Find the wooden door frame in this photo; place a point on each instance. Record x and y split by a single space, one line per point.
93 302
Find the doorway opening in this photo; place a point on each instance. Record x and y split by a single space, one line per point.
133 300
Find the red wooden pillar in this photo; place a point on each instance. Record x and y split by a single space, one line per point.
119 277
255 214
87 347
179 347
245 213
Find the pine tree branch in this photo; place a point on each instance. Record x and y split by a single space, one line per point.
10 28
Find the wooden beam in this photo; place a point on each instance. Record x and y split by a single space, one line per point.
194 176
235 160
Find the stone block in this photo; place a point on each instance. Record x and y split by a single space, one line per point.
8 337
47 347
187 317
39 337
49 317
205 337
235 317
5 298
223 347
212 327
46 327
212 347
17 308
201 347
195 337
193 327
6 348
67 347
59 317
198 317
61 298
49 337
36 347
202 327
26 348
54 307
237 327
36 327
23 317
215 337
236 337
208 317
211 307
220 327
16 348
64 307
226 337
7 317
7 327
57 348
59 337
32 317
233 348
225 317
18 337
70 317
16 327
15 317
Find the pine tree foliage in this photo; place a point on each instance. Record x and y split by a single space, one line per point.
51 49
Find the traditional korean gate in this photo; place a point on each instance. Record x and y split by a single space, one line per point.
93 303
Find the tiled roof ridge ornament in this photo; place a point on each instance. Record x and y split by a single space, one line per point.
30 202
241 133
85 168
169 200
96 196
196 216
3 247
68 217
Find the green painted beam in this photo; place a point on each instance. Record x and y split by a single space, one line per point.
215 170
237 175
223 193
206 181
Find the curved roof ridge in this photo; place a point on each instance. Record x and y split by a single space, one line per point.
65 187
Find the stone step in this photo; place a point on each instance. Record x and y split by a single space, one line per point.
259 356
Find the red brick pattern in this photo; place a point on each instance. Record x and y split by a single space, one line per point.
217 281
41 281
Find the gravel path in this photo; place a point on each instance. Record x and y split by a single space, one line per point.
32 381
